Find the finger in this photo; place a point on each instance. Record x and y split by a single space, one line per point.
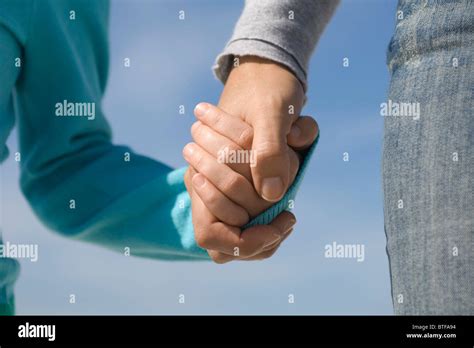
219 257
187 180
264 254
271 175
223 149
227 125
231 184
277 244
211 234
303 133
192 172
219 237
217 203
258 238
295 160
270 251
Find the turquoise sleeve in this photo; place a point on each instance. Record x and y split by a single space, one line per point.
139 207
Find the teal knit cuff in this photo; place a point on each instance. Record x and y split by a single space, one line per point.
287 202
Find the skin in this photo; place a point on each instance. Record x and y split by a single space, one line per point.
268 97
223 195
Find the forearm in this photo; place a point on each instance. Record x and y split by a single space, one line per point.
120 200
285 31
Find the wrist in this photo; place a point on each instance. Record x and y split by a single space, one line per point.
259 87
252 63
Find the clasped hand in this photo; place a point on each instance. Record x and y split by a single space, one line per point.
232 157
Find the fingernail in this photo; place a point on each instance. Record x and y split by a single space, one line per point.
188 150
295 131
272 189
198 180
200 109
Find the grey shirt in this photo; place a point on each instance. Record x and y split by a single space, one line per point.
285 31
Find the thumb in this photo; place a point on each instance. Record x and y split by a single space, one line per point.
271 172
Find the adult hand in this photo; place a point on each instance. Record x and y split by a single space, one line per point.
269 98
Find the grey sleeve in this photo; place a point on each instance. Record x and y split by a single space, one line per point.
285 31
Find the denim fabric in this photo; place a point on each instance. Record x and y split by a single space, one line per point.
428 160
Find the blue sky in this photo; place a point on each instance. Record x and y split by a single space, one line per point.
338 202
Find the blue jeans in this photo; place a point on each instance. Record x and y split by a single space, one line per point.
428 165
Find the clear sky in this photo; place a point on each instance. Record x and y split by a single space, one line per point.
338 202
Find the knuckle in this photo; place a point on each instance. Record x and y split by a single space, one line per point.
201 133
211 196
234 148
215 117
226 149
245 138
192 172
202 239
205 134
239 220
196 129
267 149
273 102
246 249
219 258
234 183
198 158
